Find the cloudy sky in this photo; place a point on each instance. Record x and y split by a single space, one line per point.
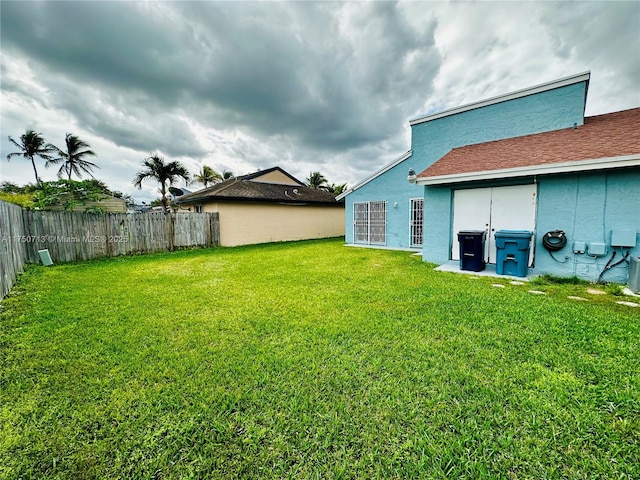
307 86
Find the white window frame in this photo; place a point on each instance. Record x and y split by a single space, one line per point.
416 225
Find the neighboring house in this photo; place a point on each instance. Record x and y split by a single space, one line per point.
268 206
526 160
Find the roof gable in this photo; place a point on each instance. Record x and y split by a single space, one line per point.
274 175
604 141
562 82
375 174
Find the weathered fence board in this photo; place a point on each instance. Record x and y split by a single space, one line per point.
74 236
13 252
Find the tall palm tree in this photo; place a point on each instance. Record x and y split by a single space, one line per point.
317 180
227 174
31 145
337 189
207 175
73 159
164 173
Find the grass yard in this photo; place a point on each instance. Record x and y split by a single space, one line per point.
312 360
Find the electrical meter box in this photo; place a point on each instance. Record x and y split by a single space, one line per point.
597 249
579 247
623 238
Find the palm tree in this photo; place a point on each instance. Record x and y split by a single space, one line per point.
72 160
164 173
317 180
337 189
227 174
207 175
31 145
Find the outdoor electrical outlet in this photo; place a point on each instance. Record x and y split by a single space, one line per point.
579 247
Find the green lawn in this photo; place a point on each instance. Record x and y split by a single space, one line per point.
312 360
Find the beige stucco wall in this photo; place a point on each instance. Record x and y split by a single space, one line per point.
249 223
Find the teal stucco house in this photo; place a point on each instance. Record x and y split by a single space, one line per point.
526 160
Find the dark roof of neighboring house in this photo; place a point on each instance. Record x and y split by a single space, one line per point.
248 188
601 139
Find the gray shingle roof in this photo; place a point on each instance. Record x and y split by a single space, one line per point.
247 189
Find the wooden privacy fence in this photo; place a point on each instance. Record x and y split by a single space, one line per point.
73 236
13 252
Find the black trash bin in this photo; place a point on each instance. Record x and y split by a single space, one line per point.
472 250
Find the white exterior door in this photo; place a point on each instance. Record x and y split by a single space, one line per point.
471 211
492 209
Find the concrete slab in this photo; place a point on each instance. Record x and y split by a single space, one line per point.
489 271
629 292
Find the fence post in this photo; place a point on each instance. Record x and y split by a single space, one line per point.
171 230
29 252
107 232
14 245
215 229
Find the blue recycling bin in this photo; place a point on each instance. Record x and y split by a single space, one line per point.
472 250
512 252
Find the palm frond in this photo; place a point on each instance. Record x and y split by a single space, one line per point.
32 145
73 158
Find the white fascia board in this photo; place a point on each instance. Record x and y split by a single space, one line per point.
563 82
548 169
375 174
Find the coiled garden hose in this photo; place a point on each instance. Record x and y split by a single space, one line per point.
554 240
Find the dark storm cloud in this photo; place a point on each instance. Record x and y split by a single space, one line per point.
320 74
118 73
313 71
607 40
102 43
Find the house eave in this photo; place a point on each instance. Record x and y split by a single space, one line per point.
205 200
563 82
547 169
375 174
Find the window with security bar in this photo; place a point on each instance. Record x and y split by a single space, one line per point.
361 222
370 222
416 221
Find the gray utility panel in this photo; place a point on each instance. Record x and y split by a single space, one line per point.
634 275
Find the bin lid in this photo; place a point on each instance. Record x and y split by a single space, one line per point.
514 234
471 232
